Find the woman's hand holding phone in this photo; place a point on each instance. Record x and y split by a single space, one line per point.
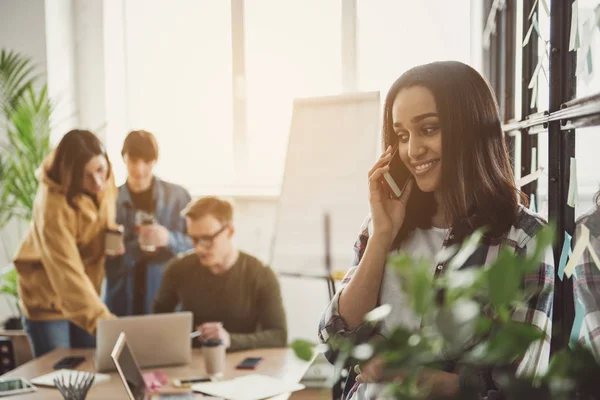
387 212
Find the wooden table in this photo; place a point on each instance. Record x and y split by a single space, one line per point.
278 363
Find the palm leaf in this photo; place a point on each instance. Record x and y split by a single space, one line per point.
28 131
17 74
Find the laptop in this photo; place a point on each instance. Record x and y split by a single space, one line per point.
131 375
160 339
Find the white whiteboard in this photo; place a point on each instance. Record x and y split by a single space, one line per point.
333 143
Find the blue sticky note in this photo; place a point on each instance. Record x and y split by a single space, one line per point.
577 322
564 256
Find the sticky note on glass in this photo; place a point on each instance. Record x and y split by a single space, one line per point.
534 95
574 37
564 255
577 323
573 195
529 31
583 242
530 178
545 6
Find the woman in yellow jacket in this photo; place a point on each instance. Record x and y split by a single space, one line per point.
61 260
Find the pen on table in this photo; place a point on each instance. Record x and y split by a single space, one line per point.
196 334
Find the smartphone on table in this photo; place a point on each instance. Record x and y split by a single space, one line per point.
69 363
15 386
398 176
249 363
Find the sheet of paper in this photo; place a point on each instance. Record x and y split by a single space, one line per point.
582 243
574 37
564 255
577 322
573 192
530 178
249 387
48 379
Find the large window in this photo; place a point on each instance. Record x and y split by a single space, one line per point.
293 49
394 36
587 140
178 78
209 90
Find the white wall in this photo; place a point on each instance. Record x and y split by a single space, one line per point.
89 59
304 299
62 74
22 28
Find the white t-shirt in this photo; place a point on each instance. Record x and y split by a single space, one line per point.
421 243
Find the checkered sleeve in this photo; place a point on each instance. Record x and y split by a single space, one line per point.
332 324
586 289
537 312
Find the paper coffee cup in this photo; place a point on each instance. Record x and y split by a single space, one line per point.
113 240
213 353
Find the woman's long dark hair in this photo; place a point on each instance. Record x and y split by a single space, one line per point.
477 184
74 151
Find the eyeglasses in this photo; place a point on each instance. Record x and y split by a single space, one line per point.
207 240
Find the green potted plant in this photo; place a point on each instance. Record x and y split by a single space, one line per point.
25 114
467 318
8 287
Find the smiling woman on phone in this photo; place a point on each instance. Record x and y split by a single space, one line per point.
443 120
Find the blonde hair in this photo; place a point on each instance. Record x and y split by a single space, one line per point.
221 209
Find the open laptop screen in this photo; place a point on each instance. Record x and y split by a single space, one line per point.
131 373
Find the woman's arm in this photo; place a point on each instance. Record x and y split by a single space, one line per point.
361 294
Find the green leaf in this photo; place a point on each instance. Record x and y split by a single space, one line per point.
510 342
9 281
416 281
28 134
303 349
505 278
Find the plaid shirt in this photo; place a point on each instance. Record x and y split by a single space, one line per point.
519 237
586 284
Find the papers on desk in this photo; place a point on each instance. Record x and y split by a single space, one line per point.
48 379
249 387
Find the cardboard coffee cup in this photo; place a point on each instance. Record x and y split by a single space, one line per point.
113 240
213 353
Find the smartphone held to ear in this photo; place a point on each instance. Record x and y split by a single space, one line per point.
398 176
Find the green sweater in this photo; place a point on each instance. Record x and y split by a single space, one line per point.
246 299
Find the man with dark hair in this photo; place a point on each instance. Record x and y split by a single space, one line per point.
154 230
